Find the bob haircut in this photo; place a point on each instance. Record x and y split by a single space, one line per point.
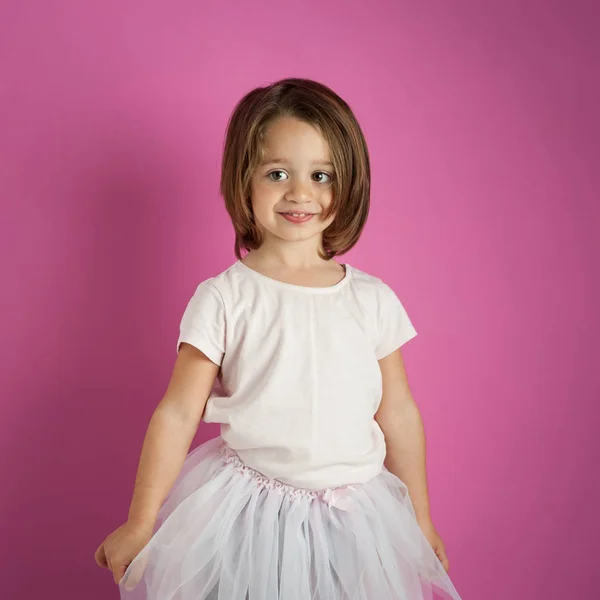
317 105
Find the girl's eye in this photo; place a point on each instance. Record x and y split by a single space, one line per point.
276 173
323 177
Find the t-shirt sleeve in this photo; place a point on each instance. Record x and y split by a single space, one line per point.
394 325
203 322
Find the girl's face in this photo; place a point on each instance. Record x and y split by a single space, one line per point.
295 176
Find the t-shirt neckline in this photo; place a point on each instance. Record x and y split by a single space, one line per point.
301 288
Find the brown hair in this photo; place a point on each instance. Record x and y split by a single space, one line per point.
319 106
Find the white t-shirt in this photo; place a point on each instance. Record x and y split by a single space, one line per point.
300 377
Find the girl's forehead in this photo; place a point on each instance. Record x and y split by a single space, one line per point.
287 138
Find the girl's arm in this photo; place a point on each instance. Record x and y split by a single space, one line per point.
171 431
400 420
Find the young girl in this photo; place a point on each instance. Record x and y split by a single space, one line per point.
293 500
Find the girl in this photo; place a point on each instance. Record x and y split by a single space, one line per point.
293 500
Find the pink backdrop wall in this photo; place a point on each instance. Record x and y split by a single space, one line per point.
482 120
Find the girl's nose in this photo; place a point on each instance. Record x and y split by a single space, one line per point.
300 192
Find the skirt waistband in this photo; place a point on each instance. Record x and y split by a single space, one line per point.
337 496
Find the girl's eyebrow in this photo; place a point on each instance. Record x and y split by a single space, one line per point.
271 161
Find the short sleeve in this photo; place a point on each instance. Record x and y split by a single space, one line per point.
394 326
203 322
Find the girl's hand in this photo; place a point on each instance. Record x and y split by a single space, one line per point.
434 539
119 548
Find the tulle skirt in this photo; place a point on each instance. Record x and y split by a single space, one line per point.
227 532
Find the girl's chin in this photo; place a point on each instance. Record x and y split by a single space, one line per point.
290 234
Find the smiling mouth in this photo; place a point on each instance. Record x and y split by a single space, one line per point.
297 214
298 218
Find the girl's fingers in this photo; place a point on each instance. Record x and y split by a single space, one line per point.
100 557
443 558
118 574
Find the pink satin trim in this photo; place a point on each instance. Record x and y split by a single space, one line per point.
340 497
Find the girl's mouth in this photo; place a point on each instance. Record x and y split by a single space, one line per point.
297 217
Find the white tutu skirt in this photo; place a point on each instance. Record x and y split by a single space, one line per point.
227 532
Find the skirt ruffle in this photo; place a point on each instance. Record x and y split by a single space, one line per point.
227 532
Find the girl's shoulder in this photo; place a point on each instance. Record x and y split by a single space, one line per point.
371 285
392 324
364 279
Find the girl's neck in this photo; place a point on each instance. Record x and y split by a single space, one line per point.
315 274
292 259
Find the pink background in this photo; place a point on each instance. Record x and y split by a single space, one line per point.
482 121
